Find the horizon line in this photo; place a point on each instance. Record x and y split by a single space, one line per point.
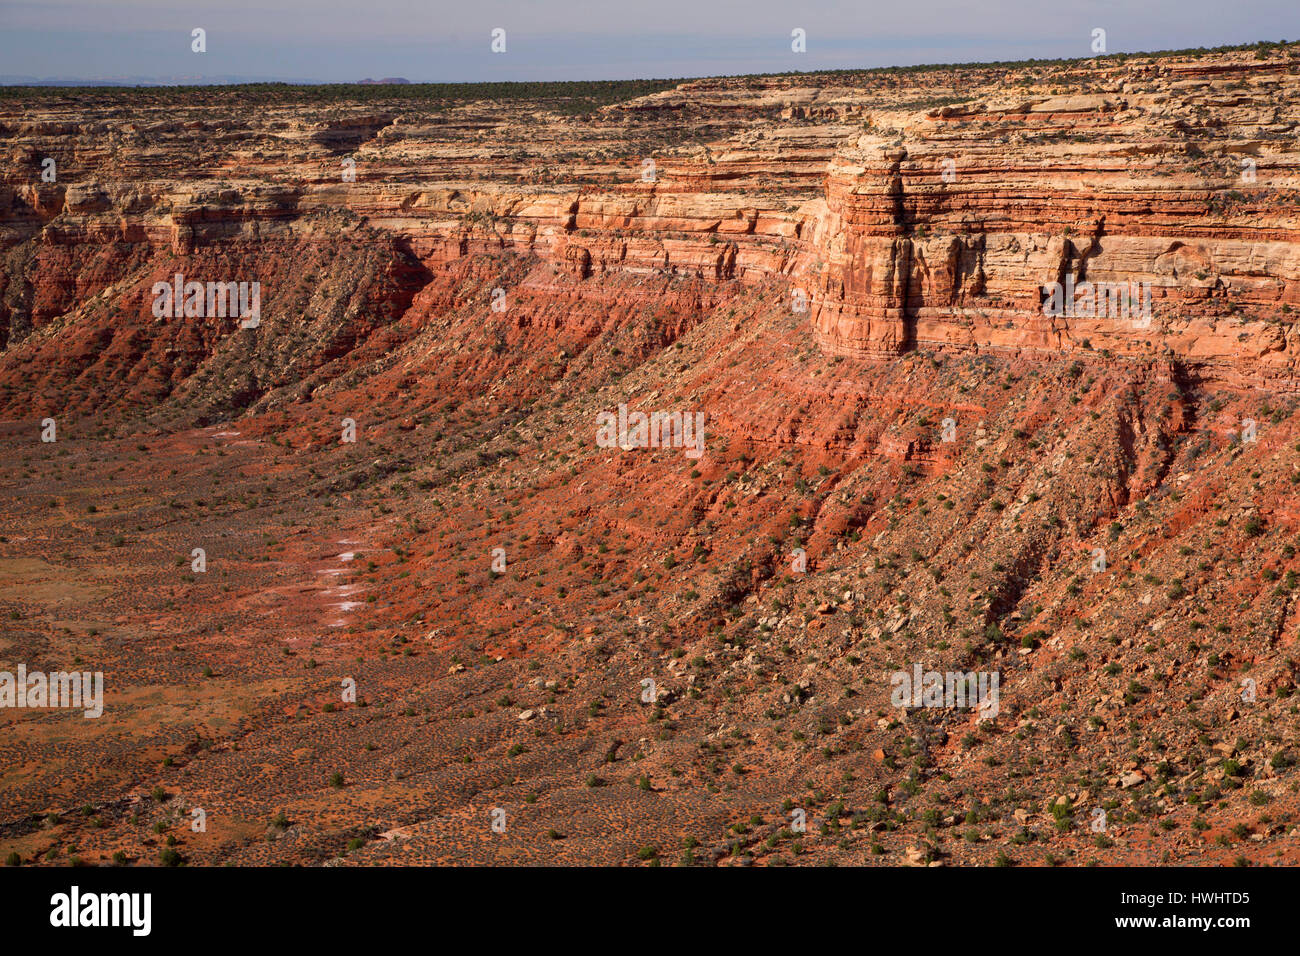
229 82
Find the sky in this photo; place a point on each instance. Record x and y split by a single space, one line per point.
439 41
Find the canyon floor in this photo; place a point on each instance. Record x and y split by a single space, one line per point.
564 653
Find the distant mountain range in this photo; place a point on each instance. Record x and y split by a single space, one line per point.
176 80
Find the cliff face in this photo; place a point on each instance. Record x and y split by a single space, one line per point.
901 225
946 234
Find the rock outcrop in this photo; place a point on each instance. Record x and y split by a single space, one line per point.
908 213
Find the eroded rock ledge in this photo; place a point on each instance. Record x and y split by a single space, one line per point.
913 211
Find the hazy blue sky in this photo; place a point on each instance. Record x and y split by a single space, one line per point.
434 40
